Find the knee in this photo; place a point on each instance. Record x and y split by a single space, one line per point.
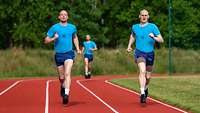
67 74
142 72
86 63
148 74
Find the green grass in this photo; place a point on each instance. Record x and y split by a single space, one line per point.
18 62
22 63
179 91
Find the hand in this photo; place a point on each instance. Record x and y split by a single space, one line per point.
56 36
79 51
151 35
129 49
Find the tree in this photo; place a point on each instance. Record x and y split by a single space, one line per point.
24 23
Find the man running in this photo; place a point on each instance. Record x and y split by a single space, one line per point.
63 34
88 48
145 35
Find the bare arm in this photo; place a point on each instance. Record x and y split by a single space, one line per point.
157 38
83 49
48 40
76 43
94 49
131 40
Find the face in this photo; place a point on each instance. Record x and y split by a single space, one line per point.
87 37
63 16
144 16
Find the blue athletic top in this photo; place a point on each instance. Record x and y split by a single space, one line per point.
87 46
66 33
145 43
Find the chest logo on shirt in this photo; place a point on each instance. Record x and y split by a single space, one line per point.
63 35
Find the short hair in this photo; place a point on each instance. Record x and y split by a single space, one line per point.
144 10
87 35
64 11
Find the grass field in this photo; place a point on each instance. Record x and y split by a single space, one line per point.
23 63
18 62
181 91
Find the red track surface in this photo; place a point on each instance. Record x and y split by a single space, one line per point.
86 96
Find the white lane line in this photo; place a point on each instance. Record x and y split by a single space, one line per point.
111 108
17 82
47 97
148 97
11 86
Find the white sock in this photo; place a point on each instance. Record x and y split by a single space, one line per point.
142 90
66 91
89 73
86 73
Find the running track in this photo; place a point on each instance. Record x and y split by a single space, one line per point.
41 95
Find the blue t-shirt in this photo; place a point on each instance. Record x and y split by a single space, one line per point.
65 35
87 46
145 43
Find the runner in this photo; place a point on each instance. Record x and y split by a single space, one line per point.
145 35
88 48
62 35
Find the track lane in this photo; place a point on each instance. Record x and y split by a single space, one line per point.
124 101
26 97
80 100
4 84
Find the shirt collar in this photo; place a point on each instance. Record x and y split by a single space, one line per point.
143 25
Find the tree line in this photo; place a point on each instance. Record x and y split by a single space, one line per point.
24 23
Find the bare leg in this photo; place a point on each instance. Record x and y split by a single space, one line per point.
142 77
148 75
86 66
60 70
90 66
67 74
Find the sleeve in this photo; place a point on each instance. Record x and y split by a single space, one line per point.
133 31
94 45
82 44
156 30
51 32
74 31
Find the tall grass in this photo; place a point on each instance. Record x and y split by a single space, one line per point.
107 61
39 62
20 63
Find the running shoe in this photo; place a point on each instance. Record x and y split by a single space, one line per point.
86 76
142 98
89 75
65 99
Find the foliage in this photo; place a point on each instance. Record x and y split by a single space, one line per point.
24 23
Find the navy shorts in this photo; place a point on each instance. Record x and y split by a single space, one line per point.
61 57
148 57
89 57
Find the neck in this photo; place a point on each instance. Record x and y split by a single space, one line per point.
63 23
143 23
